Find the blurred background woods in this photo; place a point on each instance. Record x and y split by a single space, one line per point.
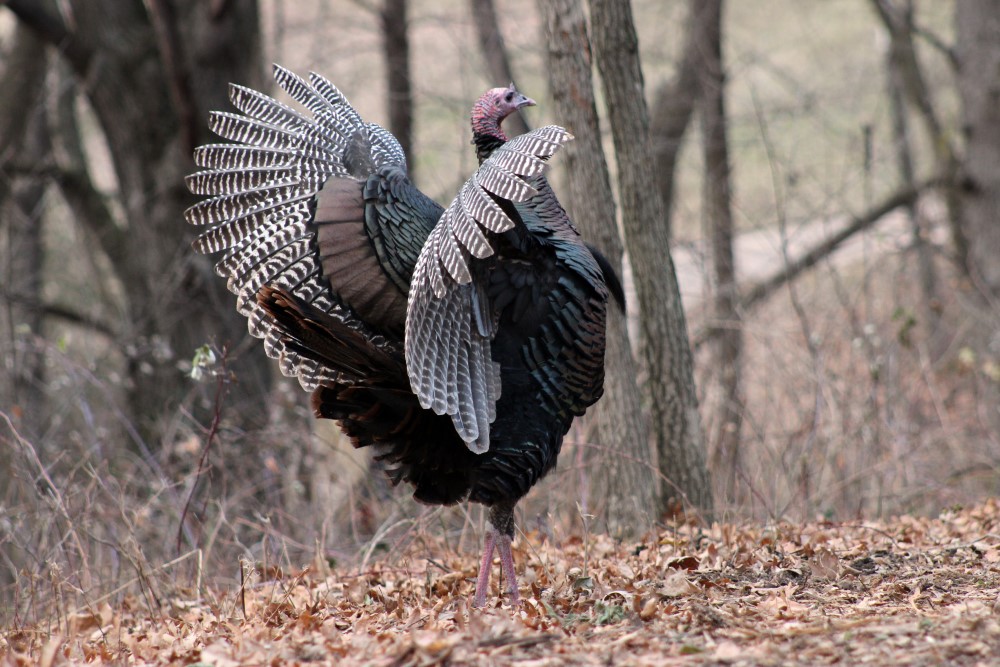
803 197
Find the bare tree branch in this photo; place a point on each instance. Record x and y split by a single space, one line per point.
752 297
72 175
91 209
898 20
937 44
20 89
24 136
52 29
64 313
896 90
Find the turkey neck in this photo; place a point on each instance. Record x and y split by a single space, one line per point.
487 142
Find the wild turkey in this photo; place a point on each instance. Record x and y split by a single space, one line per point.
458 342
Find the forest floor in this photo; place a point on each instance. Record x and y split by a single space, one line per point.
909 591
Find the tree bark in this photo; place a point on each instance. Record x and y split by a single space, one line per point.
664 348
624 488
143 91
717 216
399 96
23 142
484 17
977 31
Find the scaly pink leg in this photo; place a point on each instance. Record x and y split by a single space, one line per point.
499 535
507 567
483 582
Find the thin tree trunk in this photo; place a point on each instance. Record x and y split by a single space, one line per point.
977 30
484 17
977 37
399 97
902 66
625 487
664 348
904 155
674 104
898 21
717 218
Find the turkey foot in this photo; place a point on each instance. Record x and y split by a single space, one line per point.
499 536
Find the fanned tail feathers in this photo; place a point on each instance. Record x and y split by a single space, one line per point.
261 197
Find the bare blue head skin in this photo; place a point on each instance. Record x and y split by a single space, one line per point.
495 105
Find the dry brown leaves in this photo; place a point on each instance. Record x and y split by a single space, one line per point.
906 591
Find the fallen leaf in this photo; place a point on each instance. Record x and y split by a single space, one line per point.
779 604
825 564
677 585
649 609
727 651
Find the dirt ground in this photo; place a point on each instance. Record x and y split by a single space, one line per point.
909 591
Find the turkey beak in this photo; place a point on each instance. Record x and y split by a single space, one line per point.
523 101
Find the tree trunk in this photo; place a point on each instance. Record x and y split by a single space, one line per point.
625 488
151 76
977 30
484 17
664 348
23 143
908 75
901 66
399 97
717 216
674 105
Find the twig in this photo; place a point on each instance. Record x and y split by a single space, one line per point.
437 564
378 537
243 587
221 386
509 639
586 538
800 311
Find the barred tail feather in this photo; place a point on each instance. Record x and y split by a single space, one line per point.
261 193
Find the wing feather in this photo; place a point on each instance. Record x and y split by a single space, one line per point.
448 342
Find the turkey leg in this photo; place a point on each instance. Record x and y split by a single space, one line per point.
499 536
